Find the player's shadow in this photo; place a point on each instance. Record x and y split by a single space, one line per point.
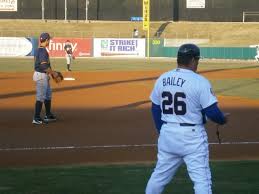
131 105
80 136
88 86
78 87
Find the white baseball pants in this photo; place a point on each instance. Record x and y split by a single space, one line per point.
178 144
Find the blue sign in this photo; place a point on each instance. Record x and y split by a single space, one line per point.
35 44
134 18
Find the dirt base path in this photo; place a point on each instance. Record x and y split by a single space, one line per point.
105 117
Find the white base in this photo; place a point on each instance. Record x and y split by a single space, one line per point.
69 79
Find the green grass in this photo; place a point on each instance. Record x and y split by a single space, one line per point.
229 87
247 88
117 64
237 177
87 64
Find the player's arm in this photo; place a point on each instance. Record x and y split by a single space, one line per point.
49 71
44 63
156 113
209 104
44 66
65 49
70 50
155 108
214 113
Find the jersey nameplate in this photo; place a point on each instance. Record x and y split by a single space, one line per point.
173 81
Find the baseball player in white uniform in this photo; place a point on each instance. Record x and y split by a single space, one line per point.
257 53
181 101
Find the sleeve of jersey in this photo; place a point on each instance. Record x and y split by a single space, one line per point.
214 113
207 96
156 113
155 97
44 60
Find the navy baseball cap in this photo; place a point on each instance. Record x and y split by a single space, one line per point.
189 50
44 36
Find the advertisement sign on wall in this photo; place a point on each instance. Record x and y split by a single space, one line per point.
15 47
8 5
195 3
119 47
81 47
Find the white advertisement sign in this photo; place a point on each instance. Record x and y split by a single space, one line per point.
195 3
8 5
121 47
15 47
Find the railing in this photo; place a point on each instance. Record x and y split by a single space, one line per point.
249 13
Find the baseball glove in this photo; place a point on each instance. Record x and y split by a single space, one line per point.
57 76
73 57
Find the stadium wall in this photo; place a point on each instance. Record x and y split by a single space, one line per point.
158 49
123 10
114 47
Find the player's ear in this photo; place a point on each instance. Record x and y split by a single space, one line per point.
193 61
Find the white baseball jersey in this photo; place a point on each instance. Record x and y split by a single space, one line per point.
182 94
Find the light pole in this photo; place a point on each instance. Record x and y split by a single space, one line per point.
86 9
65 10
42 10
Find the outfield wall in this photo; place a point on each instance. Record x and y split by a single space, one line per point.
17 46
81 47
158 49
119 47
20 46
114 47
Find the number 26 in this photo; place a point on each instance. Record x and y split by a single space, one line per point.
179 106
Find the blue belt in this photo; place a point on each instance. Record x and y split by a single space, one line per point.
184 124
187 125
40 72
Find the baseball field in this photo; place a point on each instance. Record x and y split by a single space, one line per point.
104 140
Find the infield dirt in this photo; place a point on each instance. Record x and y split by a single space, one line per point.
107 108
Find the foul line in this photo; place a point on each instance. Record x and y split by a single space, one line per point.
111 146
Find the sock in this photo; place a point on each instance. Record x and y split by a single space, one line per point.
68 66
47 106
38 107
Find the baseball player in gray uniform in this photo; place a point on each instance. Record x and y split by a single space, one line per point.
41 75
69 54
181 101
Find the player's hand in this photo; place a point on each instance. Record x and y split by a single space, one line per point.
57 76
226 115
73 57
54 74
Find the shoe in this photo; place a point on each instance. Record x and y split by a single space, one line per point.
50 118
37 121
